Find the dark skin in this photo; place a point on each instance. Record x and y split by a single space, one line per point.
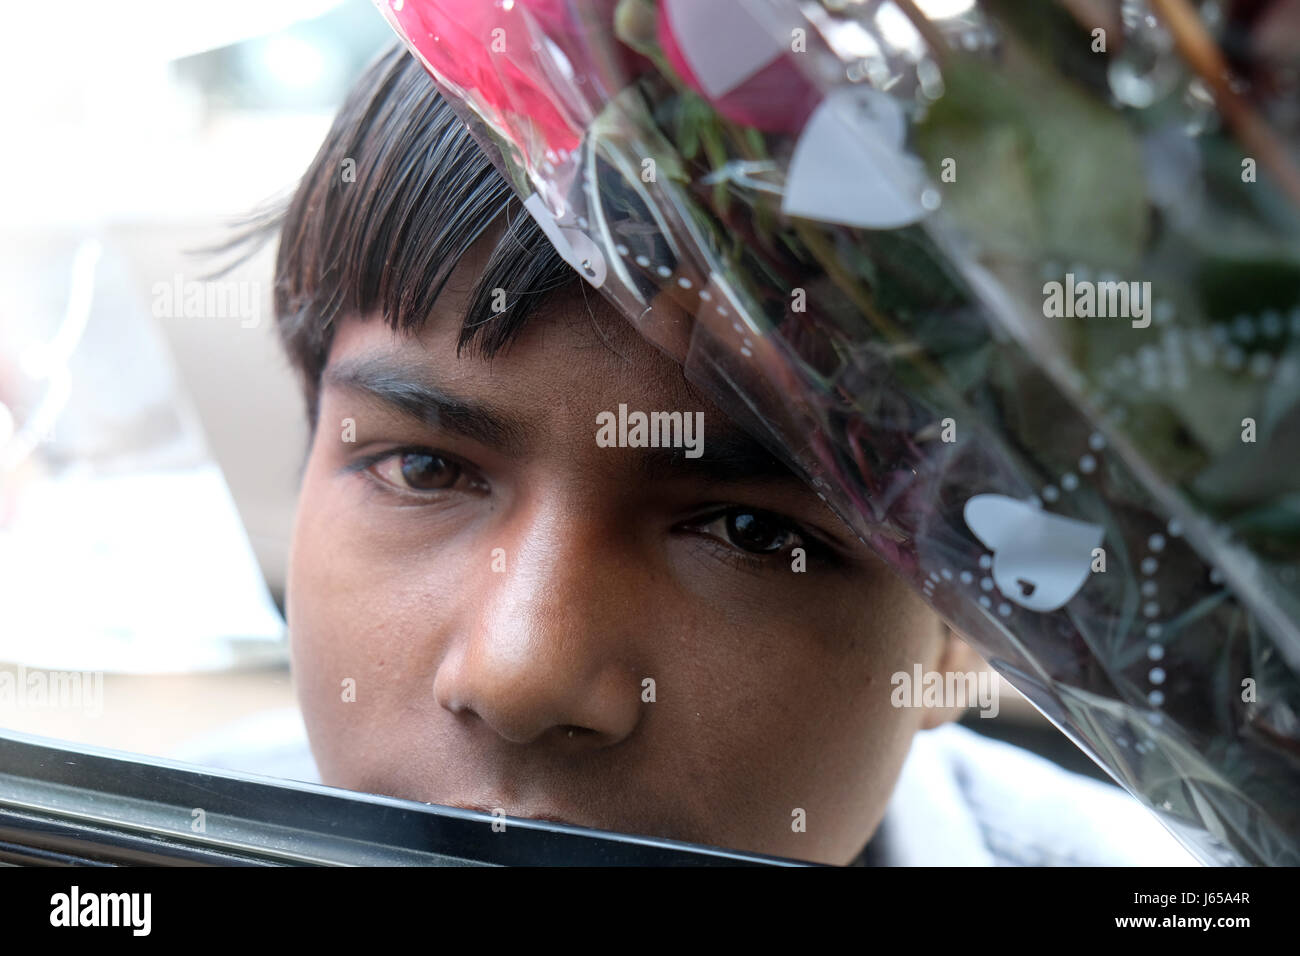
515 678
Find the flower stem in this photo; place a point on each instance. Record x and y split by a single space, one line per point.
1204 57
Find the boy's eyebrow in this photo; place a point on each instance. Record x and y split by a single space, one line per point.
404 388
728 455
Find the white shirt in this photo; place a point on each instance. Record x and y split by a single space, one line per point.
964 799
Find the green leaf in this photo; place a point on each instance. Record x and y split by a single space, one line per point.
1042 170
689 141
1276 523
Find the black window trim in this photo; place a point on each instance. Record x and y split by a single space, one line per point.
71 804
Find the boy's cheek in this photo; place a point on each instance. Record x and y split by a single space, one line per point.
332 687
341 666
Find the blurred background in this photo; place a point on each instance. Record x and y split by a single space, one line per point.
151 432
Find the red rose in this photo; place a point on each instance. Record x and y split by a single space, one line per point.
485 48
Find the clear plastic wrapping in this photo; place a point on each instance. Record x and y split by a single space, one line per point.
1018 292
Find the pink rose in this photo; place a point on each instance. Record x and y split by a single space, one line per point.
486 48
778 98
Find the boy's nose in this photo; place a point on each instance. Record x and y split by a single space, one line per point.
549 652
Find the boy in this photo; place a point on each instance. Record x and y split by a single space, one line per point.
491 608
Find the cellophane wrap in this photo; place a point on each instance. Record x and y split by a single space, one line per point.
1014 286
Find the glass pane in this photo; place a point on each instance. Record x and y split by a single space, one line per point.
246 523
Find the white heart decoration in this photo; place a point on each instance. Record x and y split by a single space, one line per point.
722 42
1040 560
850 166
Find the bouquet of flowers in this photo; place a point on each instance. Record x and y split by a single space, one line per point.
1015 286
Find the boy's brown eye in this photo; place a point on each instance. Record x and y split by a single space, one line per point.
756 532
428 472
416 470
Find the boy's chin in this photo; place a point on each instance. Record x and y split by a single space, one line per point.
616 819
637 813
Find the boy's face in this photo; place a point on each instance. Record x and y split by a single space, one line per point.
502 590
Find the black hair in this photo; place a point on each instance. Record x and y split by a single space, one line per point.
387 238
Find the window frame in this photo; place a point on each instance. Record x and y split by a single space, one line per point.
70 804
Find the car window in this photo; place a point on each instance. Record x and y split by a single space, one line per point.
159 440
